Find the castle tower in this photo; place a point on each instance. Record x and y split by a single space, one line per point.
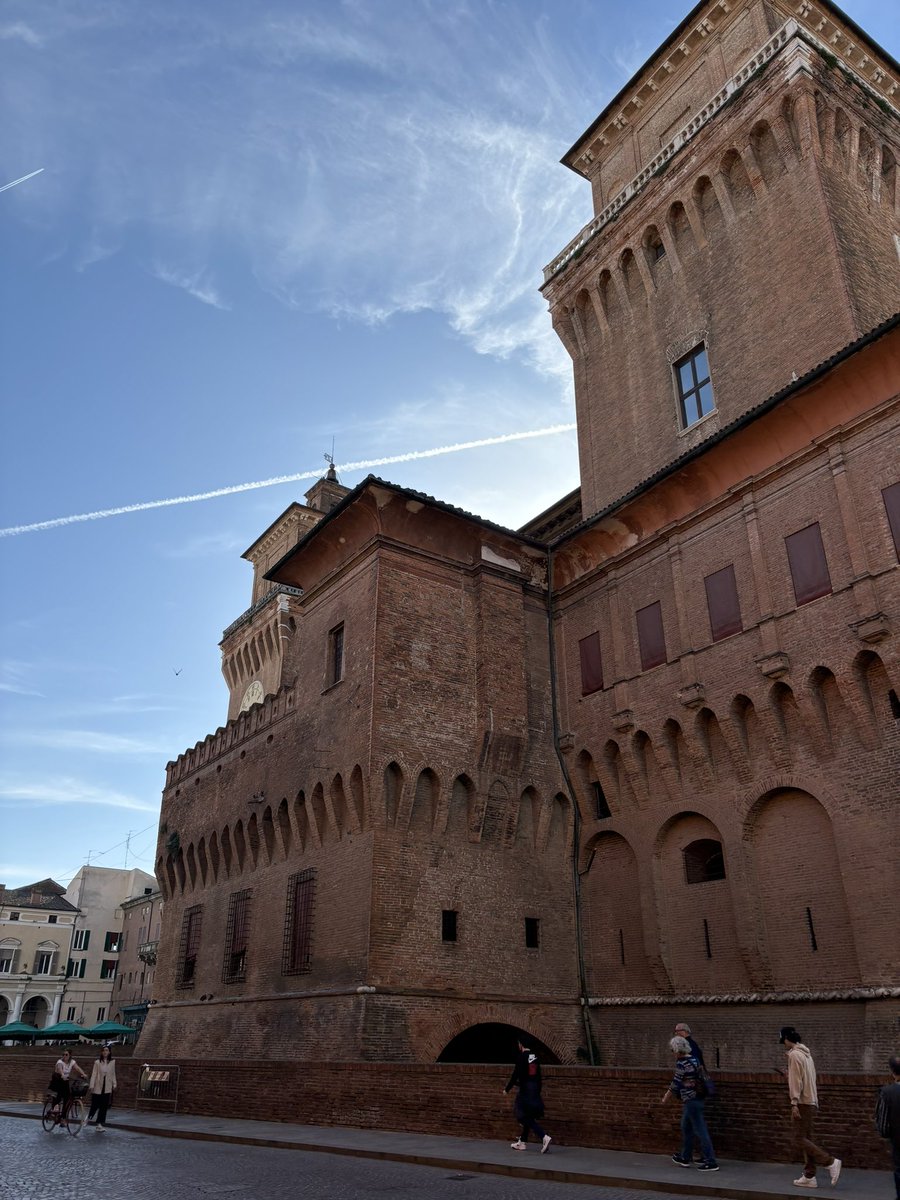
745 196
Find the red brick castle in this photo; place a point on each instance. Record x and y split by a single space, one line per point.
640 758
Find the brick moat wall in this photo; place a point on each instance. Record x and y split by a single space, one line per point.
603 1107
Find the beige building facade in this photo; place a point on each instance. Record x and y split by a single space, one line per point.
36 927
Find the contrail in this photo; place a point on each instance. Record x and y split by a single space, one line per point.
365 464
7 186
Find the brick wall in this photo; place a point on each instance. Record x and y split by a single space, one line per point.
614 1109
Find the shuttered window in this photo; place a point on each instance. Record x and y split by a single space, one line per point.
591 666
809 568
723 603
651 636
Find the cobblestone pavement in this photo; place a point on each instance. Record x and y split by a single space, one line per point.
118 1165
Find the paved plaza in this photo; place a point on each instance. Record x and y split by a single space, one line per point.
123 1165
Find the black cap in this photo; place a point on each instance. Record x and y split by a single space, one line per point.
789 1034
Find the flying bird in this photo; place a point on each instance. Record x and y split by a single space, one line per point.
178 672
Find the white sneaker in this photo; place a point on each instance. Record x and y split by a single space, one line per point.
520 1145
545 1144
101 1128
834 1171
805 1181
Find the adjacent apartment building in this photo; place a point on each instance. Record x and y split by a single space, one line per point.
36 927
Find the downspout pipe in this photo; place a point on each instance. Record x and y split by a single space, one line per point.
576 818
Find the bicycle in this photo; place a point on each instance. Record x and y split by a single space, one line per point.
73 1114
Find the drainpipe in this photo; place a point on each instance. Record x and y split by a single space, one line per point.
576 815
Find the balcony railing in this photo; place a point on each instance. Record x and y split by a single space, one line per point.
147 952
280 589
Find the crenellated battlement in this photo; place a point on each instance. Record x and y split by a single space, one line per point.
242 729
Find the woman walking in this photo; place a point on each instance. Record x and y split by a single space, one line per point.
103 1084
689 1087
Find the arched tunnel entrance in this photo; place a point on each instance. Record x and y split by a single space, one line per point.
493 1043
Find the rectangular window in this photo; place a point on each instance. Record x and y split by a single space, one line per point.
651 636
809 568
723 603
108 968
112 943
101 1013
532 933
190 945
891 497
76 968
695 394
336 655
70 1012
43 962
52 919
448 925
234 966
7 955
591 667
296 956
14 916
601 804
81 940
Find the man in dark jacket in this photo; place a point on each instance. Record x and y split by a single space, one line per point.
529 1107
887 1117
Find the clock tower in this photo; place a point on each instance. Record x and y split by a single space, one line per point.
256 648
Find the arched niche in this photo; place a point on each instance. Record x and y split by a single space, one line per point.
493 1042
616 948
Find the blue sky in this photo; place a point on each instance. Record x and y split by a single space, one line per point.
258 228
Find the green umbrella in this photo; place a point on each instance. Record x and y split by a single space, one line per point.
17 1031
61 1029
108 1029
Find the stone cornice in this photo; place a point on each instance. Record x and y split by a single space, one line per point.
807 996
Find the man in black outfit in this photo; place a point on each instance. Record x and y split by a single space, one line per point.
887 1116
529 1107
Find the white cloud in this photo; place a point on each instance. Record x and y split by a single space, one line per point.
195 283
64 790
19 31
89 741
14 678
209 545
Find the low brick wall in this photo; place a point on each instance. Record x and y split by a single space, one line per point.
615 1109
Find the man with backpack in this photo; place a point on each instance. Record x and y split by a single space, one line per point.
690 1088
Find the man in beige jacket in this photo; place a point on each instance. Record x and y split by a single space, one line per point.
804 1104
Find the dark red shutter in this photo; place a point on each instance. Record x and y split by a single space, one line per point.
809 569
891 497
651 636
591 666
723 603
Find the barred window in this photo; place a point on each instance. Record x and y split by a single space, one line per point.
234 967
190 945
296 956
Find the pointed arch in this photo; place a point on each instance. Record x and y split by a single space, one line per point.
737 181
227 850
239 843
616 958
214 855
680 231
358 797
843 136
202 860
750 734
708 207
766 152
888 187
631 277
655 255
192 865
318 815
393 792
789 118
558 824
268 833
253 840
303 822
424 803
461 817
528 817
339 805
867 160
609 297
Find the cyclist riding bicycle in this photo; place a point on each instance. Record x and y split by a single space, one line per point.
60 1084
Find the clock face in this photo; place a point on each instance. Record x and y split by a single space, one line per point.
253 695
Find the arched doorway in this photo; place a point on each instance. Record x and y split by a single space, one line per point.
35 1012
492 1043
5 1011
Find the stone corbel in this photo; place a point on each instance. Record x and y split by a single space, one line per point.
873 628
774 665
623 720
692 695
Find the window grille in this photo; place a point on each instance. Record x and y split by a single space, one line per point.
296 957
234 967
190 944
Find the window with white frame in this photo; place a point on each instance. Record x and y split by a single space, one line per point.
81 940
43 962
9 950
